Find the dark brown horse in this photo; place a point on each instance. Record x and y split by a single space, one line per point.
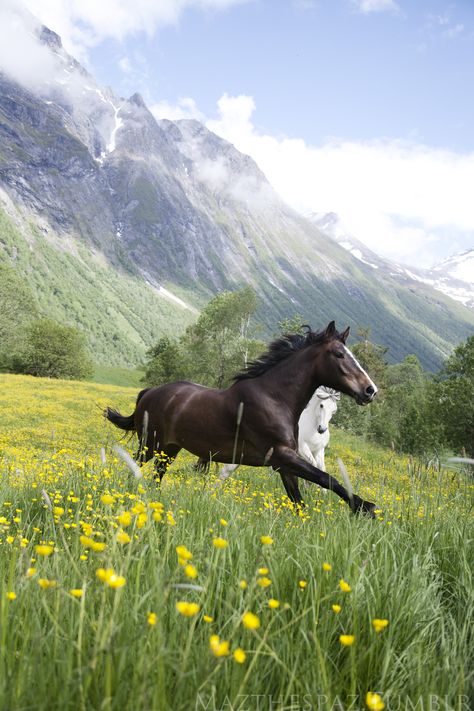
255 420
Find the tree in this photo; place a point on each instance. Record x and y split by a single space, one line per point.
452 398
17 310
54 351
211 350
166 363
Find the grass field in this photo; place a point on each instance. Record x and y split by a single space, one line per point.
99 610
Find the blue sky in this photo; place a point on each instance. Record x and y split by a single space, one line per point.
361 107
315 71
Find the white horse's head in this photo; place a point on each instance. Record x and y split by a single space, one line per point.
326 405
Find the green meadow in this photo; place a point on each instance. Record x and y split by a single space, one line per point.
119 594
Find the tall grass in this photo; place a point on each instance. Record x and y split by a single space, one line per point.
412 566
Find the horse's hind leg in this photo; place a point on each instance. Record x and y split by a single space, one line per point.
164 459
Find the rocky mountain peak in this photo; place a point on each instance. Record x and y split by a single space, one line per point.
49 38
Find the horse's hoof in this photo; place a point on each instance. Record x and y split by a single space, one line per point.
360 506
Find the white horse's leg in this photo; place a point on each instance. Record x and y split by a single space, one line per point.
320 464
227 470
305 451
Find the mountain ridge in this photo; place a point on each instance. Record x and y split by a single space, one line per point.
177 213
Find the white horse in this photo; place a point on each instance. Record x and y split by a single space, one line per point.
313 432
313 425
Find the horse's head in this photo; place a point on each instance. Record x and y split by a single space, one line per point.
339 369
326 406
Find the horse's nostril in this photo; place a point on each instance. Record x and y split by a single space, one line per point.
370 390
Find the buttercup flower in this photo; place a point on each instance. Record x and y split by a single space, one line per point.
152 618
250 621
44 550
239 656
379 625
220 542
273 604
10 595
219 648
76 592
346 639
188 609
327 567
374 701
345 587
110 578
266 540
336 608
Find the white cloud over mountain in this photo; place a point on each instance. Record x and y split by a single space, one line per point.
404 200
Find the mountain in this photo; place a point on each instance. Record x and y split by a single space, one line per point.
125 226
453 276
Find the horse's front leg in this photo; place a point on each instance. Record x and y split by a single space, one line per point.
290 482
287 461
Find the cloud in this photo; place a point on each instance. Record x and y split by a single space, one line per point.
186 108
85 23
368 6
22 56
404 200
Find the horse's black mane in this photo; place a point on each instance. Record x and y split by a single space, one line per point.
280 349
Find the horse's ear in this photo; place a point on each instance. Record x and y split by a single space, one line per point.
330 330
345 335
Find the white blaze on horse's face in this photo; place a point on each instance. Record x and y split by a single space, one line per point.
365 393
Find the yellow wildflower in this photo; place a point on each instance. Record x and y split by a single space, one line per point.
336 608
374 701
243 585
188 609
223 522
379 625
266 540
30 572
220 542
110 578
152 618
239 656
184 554
76 592
125 519
303 584
10 595
93 545
208 619
45 584
250 621
263 571
327 567
218 648
107 499
44 550
346 639
264 582
273 604
123 537
190 571
345 587
58 511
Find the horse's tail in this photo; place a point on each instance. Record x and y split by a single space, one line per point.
125 423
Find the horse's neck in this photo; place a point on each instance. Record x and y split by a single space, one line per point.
296 380
314 409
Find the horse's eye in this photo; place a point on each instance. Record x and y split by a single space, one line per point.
339 354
